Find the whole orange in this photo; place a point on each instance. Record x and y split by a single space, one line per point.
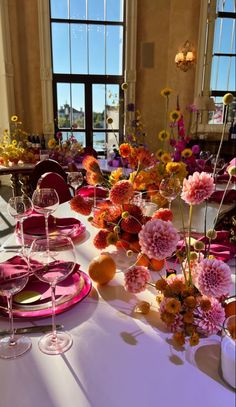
157 265
102 269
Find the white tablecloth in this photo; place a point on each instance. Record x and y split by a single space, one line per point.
118 359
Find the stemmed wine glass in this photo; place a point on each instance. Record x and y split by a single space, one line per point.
170 188
13 278
75 179
52 266
20 207
45 201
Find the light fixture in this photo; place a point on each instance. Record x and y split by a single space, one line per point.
185 58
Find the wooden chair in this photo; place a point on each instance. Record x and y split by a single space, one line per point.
41 168
54 180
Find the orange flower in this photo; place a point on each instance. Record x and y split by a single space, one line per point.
80 205
125 150
179 338
167 317
173 306
194 339
90 163
93 178
176 286
190 301
205 304
188 317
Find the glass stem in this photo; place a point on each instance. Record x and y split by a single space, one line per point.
46 230
12 333
53 294
22 237
169 205
94 197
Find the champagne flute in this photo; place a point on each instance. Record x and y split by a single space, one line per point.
170 188
20 207
45 201
53 266
75 179
13 278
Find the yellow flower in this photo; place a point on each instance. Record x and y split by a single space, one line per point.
159 153
14 142
52 143
228 99
14 118
186 153
6 138
173 168
166 157
175 115
124 86
166 92
115 175
179 338
163 135
109 120
5 131
231 170
194 339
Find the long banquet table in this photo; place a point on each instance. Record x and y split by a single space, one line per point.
118 358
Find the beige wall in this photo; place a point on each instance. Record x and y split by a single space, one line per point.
168 24
23 16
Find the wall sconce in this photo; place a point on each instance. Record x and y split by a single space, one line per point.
185 58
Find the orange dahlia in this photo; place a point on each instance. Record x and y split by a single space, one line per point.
125 150
90 163
121 192
80 205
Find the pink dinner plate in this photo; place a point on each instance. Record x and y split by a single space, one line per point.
68 293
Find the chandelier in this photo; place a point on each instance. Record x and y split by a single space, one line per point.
185 58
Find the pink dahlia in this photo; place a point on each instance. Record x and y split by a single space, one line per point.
121 192
136 279
197 188
158 239
210 322
213 278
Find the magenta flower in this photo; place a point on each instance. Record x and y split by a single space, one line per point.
158 239
210 322
196 149
197 188
136 279
213 278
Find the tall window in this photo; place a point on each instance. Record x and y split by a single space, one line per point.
88 68
219 61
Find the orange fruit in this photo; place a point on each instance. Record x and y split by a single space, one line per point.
142 260
102 269
157 265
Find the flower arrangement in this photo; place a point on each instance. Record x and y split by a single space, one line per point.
13 145
65 152
190 302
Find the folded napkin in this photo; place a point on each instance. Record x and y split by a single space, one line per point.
88 192
35 224
230 196
221 247
14 265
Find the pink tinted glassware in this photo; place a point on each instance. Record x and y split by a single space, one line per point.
13 278
52 260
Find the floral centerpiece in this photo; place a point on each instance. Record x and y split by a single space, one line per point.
65 152
13 145
190 302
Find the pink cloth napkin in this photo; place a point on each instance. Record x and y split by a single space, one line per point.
14 265
88 192
35 224
221 247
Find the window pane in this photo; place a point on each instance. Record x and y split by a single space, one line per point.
60 47
79 60
223 75
112 141
78 9
226 5
96 10
114 10
224 39
217 116
59 9
99 142
78 106
63 105
80 137
96 49
114 46
98 98
112 105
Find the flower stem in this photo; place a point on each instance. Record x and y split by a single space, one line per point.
189 240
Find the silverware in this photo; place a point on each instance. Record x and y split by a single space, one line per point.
30 329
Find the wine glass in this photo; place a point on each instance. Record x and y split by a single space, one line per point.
20 207
52 266
13 278
45 201
169 188
75 179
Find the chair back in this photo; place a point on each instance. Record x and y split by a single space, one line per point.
41 168
55 181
